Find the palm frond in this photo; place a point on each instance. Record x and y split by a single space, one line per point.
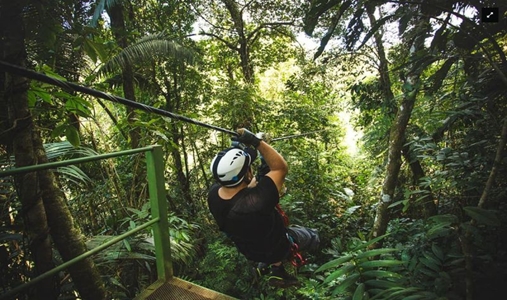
156 45
66 150
61 149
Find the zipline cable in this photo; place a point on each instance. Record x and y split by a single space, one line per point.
296 135
85 90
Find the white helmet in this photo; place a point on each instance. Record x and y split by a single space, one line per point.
230 165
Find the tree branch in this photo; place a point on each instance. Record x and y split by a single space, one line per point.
496 164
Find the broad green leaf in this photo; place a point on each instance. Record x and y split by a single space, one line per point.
375 252
437 251
359 293
428 272
447 219
430 263
415 297
385 284
381 274
404 202
334 263
344 285
484 216
439 231
380 263
341 271
433 258
41 93
74 174
403 291
49 72
72 135
365 245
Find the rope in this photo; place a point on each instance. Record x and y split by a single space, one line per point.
85 90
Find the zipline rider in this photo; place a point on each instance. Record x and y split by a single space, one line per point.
244 208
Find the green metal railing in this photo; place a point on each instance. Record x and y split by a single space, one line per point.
159 222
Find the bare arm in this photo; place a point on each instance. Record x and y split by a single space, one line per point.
277 164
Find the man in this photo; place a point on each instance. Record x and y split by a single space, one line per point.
244 208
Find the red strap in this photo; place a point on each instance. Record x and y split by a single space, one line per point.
297 259
283 214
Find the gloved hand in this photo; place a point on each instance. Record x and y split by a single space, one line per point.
263 169
247 137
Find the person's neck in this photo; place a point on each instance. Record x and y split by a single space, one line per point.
227 193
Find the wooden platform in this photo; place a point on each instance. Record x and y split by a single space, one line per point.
179 289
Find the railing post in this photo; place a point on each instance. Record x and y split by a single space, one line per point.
156 185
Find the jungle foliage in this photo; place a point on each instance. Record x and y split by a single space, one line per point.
415 210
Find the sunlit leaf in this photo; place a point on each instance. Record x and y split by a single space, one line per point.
380 263
341 271
344 285
381 274
375 252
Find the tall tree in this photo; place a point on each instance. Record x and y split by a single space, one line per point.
249 30
17 134
43 203
119 27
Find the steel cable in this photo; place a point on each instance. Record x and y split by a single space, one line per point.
85 90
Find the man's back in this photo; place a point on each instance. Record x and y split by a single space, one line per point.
251 221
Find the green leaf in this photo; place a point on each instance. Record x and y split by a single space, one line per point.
394 204
428 272
359 293
344 285
381 274
445 220
132 224
484 216
439 231
384 284
394 292
341 271
437 251
375 252
432 258
48 71
365 245
334 263
415 297
72 135
430 263
380 263
127 245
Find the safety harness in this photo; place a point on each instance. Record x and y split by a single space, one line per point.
297 258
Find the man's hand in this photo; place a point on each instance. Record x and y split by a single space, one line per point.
247 137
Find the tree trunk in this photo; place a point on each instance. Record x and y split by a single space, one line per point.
119 30
243 45
17 134
66 236
496 165
43 203
397 132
